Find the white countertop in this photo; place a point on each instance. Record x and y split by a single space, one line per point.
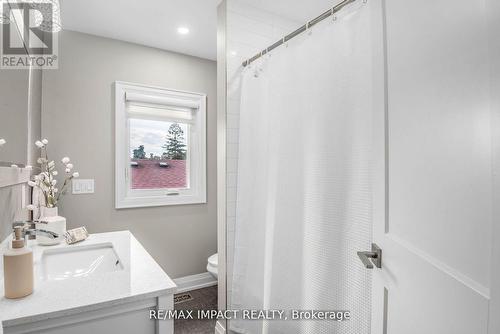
140 278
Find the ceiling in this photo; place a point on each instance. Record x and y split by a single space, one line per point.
154 23
296 10
148 22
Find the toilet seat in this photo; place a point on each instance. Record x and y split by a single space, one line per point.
213 262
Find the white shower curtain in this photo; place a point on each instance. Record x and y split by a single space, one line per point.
303 198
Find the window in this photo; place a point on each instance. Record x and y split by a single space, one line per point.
160 146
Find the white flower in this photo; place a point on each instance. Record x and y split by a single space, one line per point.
55 173
2 141
45 141
56 190
65 160
28 167
40 160
31 184
51 164
54 182
76 174
30 207
67 170
69 166
14 166
39 144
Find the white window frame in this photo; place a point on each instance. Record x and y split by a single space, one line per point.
125 197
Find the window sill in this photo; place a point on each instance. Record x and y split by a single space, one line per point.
152 201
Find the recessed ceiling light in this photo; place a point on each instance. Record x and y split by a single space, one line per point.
233 53
183 30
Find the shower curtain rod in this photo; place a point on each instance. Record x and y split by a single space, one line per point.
300 30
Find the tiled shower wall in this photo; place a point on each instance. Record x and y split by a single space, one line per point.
249 30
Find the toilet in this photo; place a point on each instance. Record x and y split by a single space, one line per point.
213 261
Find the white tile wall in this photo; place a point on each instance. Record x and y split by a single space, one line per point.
249 30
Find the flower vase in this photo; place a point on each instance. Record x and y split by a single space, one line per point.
51 221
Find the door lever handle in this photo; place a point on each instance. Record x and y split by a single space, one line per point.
371 258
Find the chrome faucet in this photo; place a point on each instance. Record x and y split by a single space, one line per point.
29 231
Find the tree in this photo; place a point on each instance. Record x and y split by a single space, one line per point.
139 153
175 147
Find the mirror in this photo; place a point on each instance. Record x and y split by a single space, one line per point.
162 154
19 110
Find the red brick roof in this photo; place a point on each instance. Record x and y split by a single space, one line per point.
149 175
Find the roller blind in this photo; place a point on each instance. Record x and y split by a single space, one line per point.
159 113
161 100
161 108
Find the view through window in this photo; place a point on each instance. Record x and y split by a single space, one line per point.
159 152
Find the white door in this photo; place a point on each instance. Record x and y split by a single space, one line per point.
433 188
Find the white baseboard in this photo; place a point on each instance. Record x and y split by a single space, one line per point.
194 282
219 329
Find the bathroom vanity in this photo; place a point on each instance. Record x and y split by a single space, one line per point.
105 284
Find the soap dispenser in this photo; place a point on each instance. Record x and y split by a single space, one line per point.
18 267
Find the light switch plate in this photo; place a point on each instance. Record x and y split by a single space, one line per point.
82 186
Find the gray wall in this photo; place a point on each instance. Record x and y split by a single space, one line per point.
34 115
20 104
78 121
14 89
493 7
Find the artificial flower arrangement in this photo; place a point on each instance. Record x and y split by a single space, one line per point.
46 182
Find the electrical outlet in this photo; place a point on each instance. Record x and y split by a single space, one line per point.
82 186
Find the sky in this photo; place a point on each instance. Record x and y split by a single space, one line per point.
151 134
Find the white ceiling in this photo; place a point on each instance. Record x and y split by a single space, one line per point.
154 22
148 22
296 10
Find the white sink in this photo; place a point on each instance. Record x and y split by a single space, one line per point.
79 261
